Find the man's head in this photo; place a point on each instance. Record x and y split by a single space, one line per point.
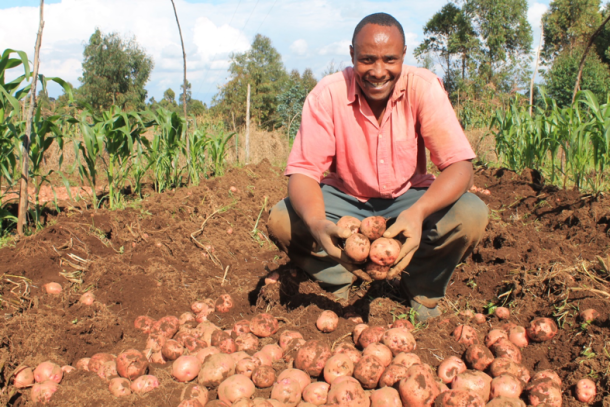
378 49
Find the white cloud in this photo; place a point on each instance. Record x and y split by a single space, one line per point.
340 48
535 12
299 47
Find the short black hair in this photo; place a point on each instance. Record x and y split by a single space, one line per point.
382 19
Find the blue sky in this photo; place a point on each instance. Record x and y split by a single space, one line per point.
308 34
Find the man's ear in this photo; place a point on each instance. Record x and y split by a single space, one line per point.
351 54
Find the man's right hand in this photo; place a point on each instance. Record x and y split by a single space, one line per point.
327 235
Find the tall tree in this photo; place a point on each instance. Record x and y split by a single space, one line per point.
504 30
262 68
568 24
115 71
290 102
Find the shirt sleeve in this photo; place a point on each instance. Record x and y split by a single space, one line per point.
313 150
439 127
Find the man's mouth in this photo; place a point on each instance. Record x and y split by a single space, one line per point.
377 84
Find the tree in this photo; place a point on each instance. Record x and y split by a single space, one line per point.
169 96
447 34
290 102
568 24
115 72
262 68
561 77
504 30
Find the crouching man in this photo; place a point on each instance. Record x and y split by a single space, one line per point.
360 151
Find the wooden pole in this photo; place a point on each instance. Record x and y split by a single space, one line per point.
188 149
536 69
584 56
25 148
248 126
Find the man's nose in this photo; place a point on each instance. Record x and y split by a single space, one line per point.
378 70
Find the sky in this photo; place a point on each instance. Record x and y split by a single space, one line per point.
308 34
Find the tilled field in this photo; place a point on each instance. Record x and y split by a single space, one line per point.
545 254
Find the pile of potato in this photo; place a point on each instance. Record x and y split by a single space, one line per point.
366 244
378 369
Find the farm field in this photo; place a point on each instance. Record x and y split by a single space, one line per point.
545 253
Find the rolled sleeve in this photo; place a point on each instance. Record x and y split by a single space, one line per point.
439 127
313 150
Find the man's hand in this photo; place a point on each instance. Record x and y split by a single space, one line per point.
327 235
408 224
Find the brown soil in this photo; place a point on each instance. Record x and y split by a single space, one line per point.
539 257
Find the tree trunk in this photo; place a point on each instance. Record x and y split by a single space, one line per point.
188 142
584 56
536 69
25 149
248 125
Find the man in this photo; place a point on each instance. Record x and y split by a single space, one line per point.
367 128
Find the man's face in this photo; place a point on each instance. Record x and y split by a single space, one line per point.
377 55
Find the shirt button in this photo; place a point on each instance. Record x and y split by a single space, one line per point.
381 136
381 161
384 187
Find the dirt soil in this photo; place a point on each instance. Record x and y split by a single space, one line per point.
541 256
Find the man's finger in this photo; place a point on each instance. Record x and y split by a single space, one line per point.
397 269
362 275
340 232
392 231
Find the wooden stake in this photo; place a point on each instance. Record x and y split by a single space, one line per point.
584 56
188 149
25 148
536 69
248 126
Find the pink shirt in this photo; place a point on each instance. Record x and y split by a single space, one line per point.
339 134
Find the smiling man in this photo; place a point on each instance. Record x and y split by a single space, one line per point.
360 151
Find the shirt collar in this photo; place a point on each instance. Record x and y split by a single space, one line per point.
353 89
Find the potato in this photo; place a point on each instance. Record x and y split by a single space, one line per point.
373 227
83 364
502 313
263 376
406 359
107 370
204 353
493 336
478 357
368 371
327 321
166 326
172 350
350 223
264 325
466 335
312 357
241 327
42 392
234 388
144 384
399 340
292 349
501 366
316 393
370 335
245 366
300 376
215 369
392 375
336 366
119 387
51 371
376 271
588 315
262 359
193 344
144 323
386 397
223 304
194 392
419 388
346 391
480 318
518 336
544 391
131 364
384 251
246 342
358 329
503 348
508 326
548 374
287 391
450 368
459 398
357 247
383 353
585 391
542 329
23 377
287 336
274 351
403 323
186 368
349 350
506 402
96 361
475 381
506 385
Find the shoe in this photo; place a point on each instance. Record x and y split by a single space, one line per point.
423 313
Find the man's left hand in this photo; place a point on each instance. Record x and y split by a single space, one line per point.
408 224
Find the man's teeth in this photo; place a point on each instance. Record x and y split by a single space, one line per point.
378 84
